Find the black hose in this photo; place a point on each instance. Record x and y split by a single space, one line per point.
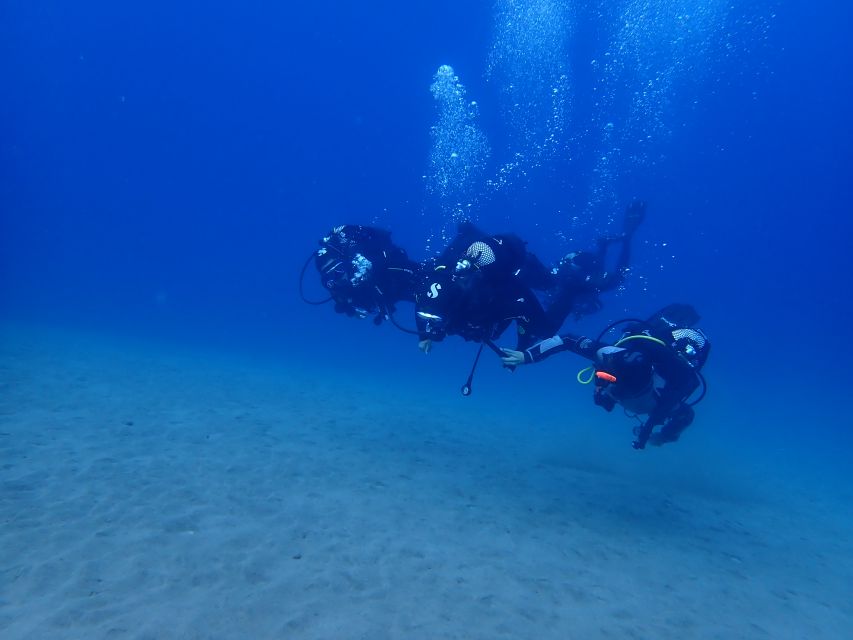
616 324
704 390
466 388
301 280
388 311
491 345
399 326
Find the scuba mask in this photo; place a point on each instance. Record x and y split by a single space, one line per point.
692 345
333 271
463 267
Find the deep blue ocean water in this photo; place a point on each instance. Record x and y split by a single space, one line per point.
166 168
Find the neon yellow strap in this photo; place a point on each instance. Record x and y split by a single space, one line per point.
641 336
583 380
591 370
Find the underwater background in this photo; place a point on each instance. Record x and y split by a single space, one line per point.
166 168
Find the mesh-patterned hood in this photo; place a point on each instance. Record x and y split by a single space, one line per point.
693 345
480 254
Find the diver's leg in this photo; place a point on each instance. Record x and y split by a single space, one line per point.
561 305
672 428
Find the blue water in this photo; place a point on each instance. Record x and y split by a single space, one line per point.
165 170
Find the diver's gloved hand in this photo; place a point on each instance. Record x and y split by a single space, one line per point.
634 216
511 357
604 400
425 345
681 418
642 433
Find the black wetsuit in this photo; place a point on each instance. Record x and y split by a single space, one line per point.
579 279
365 272
478 287
646 371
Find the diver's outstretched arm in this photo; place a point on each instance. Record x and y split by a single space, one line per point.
584 347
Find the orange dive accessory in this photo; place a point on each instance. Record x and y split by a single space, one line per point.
606 377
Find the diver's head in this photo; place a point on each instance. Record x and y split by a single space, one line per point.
476 261
479 254
471 267
692 345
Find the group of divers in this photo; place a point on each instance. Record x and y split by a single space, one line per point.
481 283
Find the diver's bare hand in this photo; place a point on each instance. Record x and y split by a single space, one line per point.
512 358
425 345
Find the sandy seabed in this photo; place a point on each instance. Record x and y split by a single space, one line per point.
153 494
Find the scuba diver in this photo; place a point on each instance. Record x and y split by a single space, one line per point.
580 276
364 272
653 369
477 287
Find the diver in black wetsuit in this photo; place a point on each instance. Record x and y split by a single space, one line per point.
477 287
653 369
580 276
364 272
